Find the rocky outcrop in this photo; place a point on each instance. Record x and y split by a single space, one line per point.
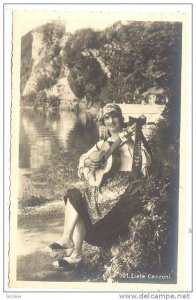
48 72
38 53
62 90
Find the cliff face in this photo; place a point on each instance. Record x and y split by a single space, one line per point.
42 65
26 60
62 89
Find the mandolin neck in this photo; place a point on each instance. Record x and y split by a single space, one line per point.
112 148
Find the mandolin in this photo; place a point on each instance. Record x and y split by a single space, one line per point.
108 158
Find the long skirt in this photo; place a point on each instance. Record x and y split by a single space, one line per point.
115 223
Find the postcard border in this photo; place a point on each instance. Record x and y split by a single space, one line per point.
79 291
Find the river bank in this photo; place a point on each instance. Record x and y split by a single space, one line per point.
39 227
47 168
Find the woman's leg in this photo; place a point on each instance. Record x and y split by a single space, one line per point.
78 236
71 218
76 256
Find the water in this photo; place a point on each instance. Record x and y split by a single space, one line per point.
50 146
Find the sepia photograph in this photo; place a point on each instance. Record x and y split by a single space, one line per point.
97 134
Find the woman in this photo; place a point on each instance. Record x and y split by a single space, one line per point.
100 214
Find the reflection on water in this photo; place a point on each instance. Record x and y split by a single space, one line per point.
43 135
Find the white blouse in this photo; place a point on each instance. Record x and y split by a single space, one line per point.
126 157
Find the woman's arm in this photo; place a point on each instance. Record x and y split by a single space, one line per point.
85 161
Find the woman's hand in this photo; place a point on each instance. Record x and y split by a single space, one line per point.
131 130
127 133
95 165
92 164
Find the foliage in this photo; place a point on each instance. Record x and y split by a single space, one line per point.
41 99
143 55
45 82
86 77
29 100
52 32
121 63
53 101
133 58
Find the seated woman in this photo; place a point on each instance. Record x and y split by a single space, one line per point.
99 214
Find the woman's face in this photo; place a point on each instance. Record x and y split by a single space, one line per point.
113 122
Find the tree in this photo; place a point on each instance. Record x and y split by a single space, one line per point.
45 82
29 99
141 55
41 99
86 76
52 32
53 101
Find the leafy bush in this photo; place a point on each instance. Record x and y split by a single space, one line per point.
29 99
45 82
52 32
41 99
53 101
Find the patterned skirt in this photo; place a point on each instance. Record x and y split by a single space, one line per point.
107 210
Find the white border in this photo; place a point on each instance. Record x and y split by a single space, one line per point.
7 76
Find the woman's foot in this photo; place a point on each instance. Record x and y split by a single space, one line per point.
64 249
68 263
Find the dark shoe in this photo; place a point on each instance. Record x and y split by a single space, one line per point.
68 264
56 248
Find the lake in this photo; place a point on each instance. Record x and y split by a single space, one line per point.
49 149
